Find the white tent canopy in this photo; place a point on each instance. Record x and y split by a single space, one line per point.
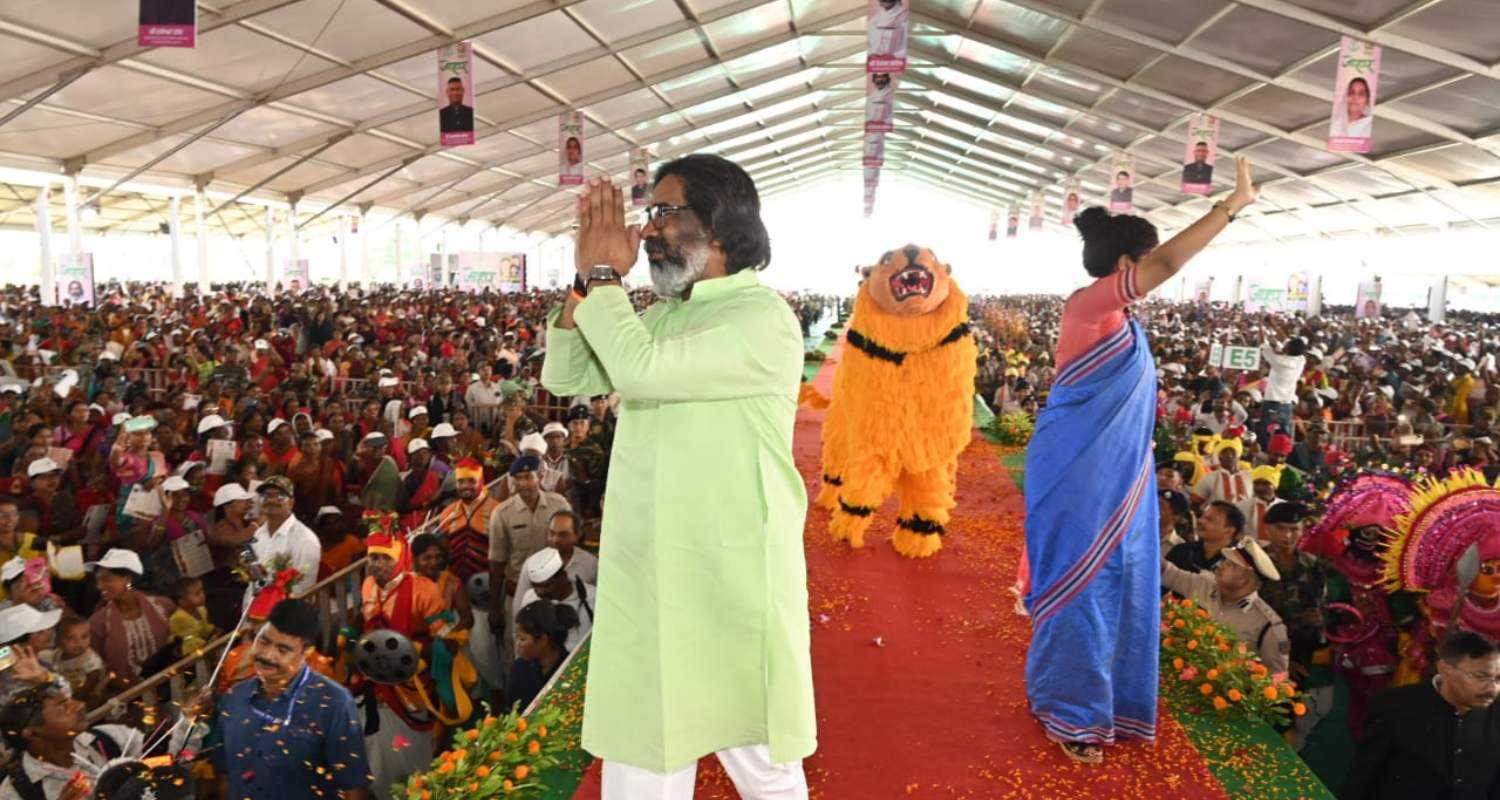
326 105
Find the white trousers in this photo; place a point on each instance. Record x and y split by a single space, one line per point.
750 767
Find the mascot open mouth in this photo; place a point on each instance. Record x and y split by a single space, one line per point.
914 281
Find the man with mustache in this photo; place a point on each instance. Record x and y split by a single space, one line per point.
702 599
290 732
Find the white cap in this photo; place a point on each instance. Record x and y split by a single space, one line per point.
187 466
387 382
174 484
12 569
554 427
96 407
372 436
274 424
120 558
1388 391
533 441
210 422
41 466
22 620
323 434
120 418
108 355
416 444
262 344
442 431
543 565
326 511
412 414
229 493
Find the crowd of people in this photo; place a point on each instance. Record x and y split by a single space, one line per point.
177 467
1281 486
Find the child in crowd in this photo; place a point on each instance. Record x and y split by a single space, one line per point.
189 623
75 660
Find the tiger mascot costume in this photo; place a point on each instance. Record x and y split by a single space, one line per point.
902 406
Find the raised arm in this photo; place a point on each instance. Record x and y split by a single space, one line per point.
1164 262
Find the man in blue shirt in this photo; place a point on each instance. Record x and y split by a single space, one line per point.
290 733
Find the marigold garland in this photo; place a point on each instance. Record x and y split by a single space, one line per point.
1227 675
1013 429
497 757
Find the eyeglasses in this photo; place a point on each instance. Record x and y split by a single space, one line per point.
657 213
1485 680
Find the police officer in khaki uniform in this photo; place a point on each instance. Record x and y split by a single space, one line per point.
1229 593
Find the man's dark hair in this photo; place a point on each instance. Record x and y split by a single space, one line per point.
455 80
21 713
1232 515
1296 346
572 517
7 500
182 585
1201 144
295 618
1466 644
723 197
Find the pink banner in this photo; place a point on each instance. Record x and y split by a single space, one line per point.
1201 153
456 94
1013 222
640 177
880 102
1072 199
1038 206
874 155
1351 128
168 23
570 148
887 35
994 224
1122 183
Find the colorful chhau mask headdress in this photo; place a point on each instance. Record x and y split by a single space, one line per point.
1364 500
1448 516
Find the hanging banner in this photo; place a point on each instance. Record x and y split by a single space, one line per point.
1202 151
1071 200
994 224
1367 301
1038 207
1261 298
880 102
456 94
1437 301
640 176
1298 287
168 23
872 179
75 280
570 148
477 271
874 155
1012 222
1202 290
1350 130
296 275
1122 184
887 35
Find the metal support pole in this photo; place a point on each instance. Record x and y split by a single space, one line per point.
174 229
200 229
270 253
291 232
365 278
70 200
344 254
48 288
443 256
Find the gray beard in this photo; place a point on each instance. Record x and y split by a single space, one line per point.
671 279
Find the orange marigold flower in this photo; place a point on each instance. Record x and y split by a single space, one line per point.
1187 603
1287 690
1299 709
471 735
1179 624
1207 689
534 747
521 772
1203 612
511 737
1167 642
1223 648
473 786
427 796
521 724
483 772
1270 692
541 731
1219 703
1193 645
494 755
1235 696
1176 663
446 768
1213 675
507 785
490 721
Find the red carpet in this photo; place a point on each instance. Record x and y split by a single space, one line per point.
918 665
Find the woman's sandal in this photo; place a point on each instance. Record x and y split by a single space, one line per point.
1083 752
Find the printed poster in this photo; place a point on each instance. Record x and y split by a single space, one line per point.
874 152
1072 199
880 102
570 148
1367 302
1012 222
296 275
1202 151
1038 208
456 94
994 224
75 280
1358 79
887 35
1202 290
512 272
167 23
640 177
1298 289
1122 183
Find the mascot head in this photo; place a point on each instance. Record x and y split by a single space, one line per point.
909 282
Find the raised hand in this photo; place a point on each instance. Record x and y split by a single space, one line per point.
1245 191
603 236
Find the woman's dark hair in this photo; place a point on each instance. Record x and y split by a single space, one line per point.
549 619
723 197
426 542
1360 81
1106 238
1296 346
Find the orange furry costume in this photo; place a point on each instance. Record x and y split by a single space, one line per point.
902 407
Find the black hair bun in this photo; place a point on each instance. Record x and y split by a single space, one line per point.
1092 221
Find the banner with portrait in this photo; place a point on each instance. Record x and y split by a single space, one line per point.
880 101
874 150
1298 290
1072 201
75 280
994 224
570 148
1351 128
1367 300
640 176
456 94
1202 150
1038 208
1202 291
296 276
1012 221
167 23
1122 183
888 20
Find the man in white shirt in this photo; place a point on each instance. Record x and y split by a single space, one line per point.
283 541
887 36
1281 385
550 581
562 537
1228 482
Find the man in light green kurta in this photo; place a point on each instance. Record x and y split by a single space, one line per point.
701 635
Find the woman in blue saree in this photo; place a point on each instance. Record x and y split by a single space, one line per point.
1092 546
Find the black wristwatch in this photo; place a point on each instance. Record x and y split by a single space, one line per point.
603 273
